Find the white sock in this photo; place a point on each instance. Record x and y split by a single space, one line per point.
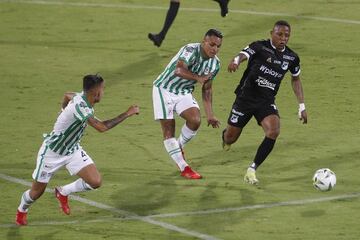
173 148
26 201
77 186
186 135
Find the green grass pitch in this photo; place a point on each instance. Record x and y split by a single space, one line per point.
47 46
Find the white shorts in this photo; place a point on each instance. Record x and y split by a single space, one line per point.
48 162
166 103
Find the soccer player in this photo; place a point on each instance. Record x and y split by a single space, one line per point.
172 93
268 61
171 15
61 147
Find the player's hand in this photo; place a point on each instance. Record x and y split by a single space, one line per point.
233 66
214 122
303 116
204 78
134 109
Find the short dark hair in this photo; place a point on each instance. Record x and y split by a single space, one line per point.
214 32
91 81
282 23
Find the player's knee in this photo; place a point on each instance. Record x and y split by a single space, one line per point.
273 133
230 138
194 123
95 183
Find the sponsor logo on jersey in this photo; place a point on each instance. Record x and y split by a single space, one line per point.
268 60
237 112
271 72
288 57
277 62
189 49
285 65
263 82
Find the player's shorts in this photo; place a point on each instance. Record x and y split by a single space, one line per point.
242 111
166 103
48 162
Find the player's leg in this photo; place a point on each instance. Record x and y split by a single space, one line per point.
191 125
80 164
28 198
170 17
271 127
223 6
46 164
237 120
269 119
163 104
171 144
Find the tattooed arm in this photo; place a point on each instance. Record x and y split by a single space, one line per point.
103 126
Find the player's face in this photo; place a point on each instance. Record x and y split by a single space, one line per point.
211 46
99 92
280 36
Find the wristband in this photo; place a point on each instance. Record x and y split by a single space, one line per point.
237 60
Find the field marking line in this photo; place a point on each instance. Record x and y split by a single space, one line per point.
258 206
128 214
127 6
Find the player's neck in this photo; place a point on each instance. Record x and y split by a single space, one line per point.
90 99
202 53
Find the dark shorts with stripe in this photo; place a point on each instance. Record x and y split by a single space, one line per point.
243 110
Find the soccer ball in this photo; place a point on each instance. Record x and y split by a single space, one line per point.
324 179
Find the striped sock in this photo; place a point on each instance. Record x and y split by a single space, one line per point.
173 148
77 186
26 201
186 135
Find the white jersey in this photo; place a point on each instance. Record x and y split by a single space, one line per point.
70 125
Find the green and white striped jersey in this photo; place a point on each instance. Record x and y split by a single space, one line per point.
70 125
191 55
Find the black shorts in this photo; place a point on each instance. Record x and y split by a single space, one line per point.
243 110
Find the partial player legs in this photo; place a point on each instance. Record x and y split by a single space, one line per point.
271 126
230 135
170 17
223 6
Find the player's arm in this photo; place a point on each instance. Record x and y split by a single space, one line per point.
181 70
103 126
207 101
298 90
235 62
66 99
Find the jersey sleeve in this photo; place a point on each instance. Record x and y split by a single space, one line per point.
295 68
250 50
188 55
82 112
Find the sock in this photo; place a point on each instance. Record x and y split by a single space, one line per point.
173 148
77 186
170 17
263 151
26 201
186 135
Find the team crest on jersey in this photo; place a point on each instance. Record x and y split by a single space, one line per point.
189 49
206 71
285 65
234 118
